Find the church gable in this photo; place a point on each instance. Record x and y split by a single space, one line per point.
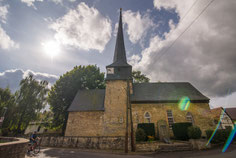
88 100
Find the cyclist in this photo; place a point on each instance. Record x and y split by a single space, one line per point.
33 141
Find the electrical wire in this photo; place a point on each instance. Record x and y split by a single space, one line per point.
185 29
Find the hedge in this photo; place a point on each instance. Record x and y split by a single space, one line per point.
140 135
149 128
220 136
180 130
194 132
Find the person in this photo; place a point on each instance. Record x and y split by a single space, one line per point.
33 141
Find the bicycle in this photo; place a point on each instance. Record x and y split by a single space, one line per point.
34 148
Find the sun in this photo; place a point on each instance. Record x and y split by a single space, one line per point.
51 48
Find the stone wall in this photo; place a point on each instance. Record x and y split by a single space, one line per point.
111 122
85 124
162 147
115 108
114 143
200 111
15 147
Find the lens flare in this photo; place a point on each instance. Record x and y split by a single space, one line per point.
218 125
184 103
230 138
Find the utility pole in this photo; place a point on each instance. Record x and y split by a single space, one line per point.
131 121
127 121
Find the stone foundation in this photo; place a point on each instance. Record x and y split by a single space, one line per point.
103 143
13 147
156 146
199 144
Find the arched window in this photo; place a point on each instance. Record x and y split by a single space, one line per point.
189 118
147 117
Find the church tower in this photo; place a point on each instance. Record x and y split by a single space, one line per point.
119 69
119 76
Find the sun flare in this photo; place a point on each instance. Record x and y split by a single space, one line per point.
51 48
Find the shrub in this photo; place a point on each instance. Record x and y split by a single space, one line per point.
148 128
180 130
194 132
209 133
5 132
220 136
140 135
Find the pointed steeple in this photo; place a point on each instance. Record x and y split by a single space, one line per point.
119 58
119 69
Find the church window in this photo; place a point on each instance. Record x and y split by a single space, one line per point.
147 117
189 118
170 118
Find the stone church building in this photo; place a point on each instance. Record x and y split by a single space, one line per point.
106 112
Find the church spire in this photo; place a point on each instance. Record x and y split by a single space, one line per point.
119 69
119 58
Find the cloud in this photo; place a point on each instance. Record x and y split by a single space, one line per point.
83 28
13 77
30 3
134 59
228 101
204 55
137 24
3 13
5 41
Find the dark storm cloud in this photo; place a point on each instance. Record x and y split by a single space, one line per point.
205 55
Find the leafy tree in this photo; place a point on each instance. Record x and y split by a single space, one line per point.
30 99
139 77
7 101
64 90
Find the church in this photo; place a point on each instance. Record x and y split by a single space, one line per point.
122 105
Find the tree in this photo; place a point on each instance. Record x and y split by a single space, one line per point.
30 99
7 101
139 77
64 90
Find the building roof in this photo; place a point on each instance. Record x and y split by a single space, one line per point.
119 58
88 100
231 112
165 92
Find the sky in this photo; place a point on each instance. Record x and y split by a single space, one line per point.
168 40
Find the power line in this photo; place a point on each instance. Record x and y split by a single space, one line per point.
189 10
185 29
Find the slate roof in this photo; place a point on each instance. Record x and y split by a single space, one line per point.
119 58
165 92
88 100
231 112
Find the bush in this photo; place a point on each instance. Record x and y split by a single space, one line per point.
194 132
5 132
209 133
220 136
180 130
148 128
140 135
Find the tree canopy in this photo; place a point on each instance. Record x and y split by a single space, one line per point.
138 77
64 90
25 105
